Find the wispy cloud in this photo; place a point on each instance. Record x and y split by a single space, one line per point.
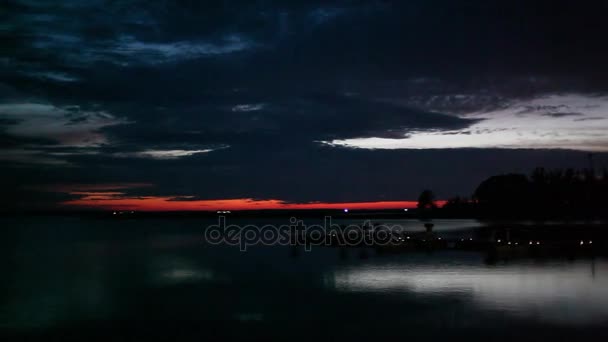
322 15
128 50
30 156
160 52
68 126
161 154
249 107
52 76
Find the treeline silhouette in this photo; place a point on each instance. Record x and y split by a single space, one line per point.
568 193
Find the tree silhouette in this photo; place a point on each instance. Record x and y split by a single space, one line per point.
426 200
546 193
507 191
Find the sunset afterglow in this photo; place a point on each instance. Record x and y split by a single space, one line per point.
117 201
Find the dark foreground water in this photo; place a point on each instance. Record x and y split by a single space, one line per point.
146 280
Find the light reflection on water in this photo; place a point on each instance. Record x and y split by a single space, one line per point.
75 271
572 293
177 270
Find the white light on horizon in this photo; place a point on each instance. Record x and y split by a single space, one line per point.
570 121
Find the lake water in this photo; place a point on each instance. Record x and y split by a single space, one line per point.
156 279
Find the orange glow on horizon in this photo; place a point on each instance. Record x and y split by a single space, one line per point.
117 201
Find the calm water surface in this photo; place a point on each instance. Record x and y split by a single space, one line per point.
72 278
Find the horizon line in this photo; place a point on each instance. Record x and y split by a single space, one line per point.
180 204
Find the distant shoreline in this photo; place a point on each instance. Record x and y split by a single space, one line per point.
315 213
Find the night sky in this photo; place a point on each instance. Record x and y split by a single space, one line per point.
186 105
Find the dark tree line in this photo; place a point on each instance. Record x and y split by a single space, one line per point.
545 193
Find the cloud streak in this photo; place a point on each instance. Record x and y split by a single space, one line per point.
69 126
164 52
162 154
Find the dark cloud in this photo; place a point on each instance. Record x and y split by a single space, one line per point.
561 115
231 99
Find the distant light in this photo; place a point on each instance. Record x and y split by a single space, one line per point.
538 242
405 209
345 210
508 243
590 242
114 213
582 242
498 241
438 238
516 243
470 239
530 243
407 237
